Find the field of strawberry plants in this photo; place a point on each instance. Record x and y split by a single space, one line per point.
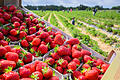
32 50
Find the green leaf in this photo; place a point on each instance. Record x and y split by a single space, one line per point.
8 69
17 47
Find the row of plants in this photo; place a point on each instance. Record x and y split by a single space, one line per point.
85 39
46 16
40 13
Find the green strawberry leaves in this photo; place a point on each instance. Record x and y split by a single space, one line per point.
35 77
8 69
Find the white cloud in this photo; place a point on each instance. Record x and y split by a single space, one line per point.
68 3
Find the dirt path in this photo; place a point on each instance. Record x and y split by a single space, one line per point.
62 26
49 18
102 45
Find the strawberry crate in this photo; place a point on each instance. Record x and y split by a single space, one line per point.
33 67
14 57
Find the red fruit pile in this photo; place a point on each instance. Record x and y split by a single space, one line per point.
21 23
13 57
37 71
40 43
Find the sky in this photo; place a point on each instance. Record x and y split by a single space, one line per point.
74 3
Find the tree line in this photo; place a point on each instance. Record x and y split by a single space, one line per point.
58 8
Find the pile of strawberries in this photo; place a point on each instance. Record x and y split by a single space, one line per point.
36 71
13 57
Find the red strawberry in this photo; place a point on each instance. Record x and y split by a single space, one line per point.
29 38
73 41
24 43
86 66
44 35
20 15
1 15
104 67
2 21
81 77
77 47
76 61
59 39
1 36
3 42
99 62
42 22
36 42
24 72
12 8
50 61
3 51
28 58
35 20
22 34
20 63
54 78
32 30
55 56
13 38
6 16
76 54
15 19
47 72
5 31
95 68
13 32
62 50
59 69
5 64
5 8
72 66
91 75
52 44
65 71
67 58
16 24
58 32
86 58
22 28
28 20
48 39
8 48
11 56
63 63
37 75
85 52
26 79
100 77
43 49
11 76
40 66
76 74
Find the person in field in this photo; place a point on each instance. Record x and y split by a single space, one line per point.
73 20
94 11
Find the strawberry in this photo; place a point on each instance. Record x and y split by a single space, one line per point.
16 24
85 52
5 30
100 77
95 68
26 79
43 49
13 32
77 47
11 76
24 43
76 74
62 50
20 15
63 63
40 66
76 54
5 8
28 20
12 56
50 61
12 8
81 77
76 61
4 64
86 58
29 38
2 21
55 56
59 69
42 22
86 66
37 75
91 75
104 67
99 62
12 38
3 51
59 39
65 71
1 15
35 21
72 66
44 35
54 78
67 58
36 42
22 34
47 72
15 19
8 48
6 16
22 28
48 39
3 42
28 58
58 32
30 67
73 41
52 44
24 72
20 63
32 30
1 36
